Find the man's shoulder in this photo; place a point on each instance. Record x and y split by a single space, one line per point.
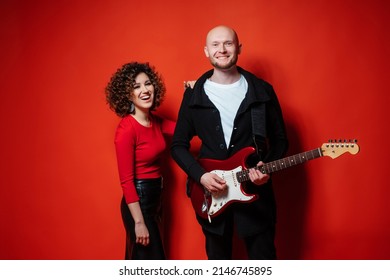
253 77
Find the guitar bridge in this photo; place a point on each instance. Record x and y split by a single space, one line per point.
205 205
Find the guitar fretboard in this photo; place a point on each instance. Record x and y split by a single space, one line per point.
281 164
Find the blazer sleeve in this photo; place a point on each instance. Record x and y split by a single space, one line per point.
184 132
276 130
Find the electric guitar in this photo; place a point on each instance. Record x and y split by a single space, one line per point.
234 172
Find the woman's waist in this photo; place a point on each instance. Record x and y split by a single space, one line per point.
148 187
148 182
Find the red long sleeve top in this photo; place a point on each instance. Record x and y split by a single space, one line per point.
138 151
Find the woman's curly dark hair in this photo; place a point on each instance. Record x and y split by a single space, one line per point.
121 85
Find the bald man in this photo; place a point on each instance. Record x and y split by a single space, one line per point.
220 109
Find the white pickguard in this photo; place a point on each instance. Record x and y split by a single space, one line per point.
232 193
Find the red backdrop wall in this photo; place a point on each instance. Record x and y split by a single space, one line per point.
60 193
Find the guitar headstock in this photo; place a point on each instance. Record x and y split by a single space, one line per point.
336 148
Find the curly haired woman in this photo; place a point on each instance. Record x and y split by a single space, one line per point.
134 91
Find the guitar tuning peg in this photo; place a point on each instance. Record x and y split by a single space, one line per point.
330 140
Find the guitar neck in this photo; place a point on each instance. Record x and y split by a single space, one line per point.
281 164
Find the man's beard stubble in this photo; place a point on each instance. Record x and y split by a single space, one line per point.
232 63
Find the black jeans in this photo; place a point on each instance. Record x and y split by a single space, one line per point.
149 192
258 247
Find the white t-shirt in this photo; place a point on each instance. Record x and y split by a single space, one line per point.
227 99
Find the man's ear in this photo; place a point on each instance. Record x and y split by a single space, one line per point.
206 52
239 48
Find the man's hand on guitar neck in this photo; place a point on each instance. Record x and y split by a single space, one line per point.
213 183
257 177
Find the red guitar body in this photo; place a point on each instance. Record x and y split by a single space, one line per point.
205 204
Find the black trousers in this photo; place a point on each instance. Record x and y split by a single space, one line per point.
149 192
259 246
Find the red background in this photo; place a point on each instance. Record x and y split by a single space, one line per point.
327 60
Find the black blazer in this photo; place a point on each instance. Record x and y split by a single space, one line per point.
198 117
